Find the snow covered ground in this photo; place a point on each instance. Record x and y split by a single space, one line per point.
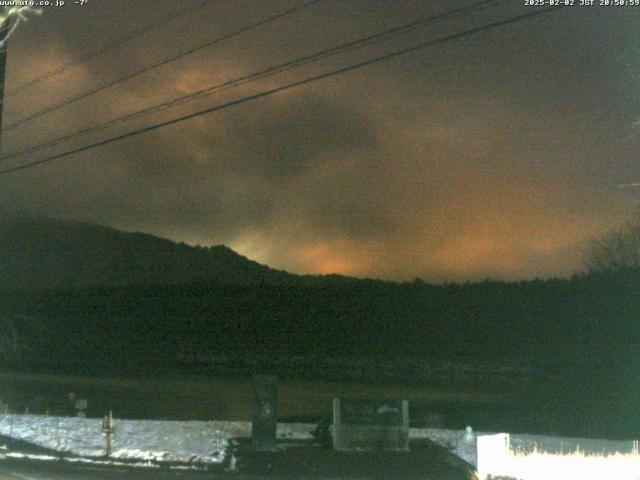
199 443
172 441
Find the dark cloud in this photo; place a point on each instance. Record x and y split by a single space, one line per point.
288 137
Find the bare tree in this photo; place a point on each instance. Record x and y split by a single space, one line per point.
616 250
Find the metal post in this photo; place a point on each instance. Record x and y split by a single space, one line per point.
109 435
107 428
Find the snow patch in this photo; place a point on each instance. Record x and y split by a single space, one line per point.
173 441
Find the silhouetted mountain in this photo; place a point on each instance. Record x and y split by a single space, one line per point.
160 297
38 253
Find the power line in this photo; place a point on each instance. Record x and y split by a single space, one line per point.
288 86
160 63
105 48
349 46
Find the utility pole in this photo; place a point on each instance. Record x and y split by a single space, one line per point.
5 28
10 17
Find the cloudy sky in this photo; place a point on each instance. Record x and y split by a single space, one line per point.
497 155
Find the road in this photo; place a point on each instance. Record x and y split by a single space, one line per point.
300 461
54 470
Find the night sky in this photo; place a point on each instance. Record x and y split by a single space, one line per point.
498 155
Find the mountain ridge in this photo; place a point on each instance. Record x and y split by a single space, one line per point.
52 253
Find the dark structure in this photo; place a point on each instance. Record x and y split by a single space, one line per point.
368 424
264 422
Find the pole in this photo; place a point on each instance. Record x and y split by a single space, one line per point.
3 65
4 31
107 428
110 434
